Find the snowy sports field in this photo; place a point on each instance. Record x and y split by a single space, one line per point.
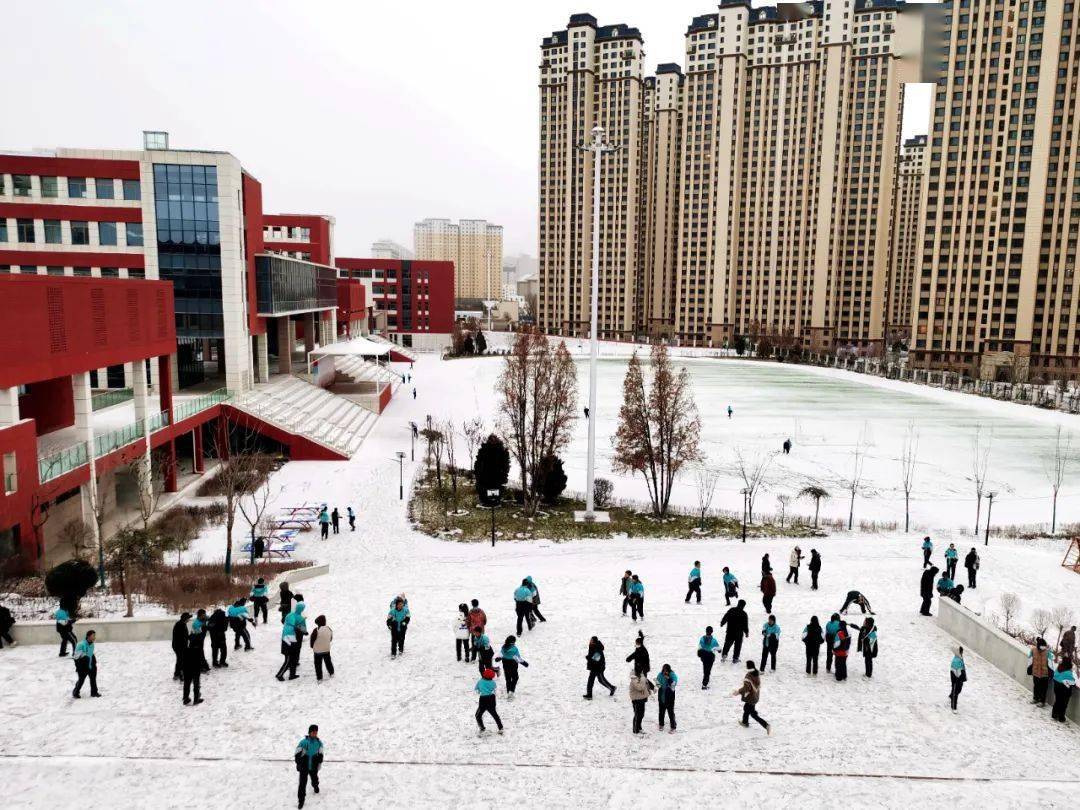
401 733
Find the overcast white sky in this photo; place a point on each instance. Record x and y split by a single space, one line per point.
379 113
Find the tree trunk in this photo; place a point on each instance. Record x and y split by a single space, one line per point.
851 512
1053 515
978 511
228 547
907 511
817 507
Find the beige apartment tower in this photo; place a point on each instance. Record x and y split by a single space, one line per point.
754 193
475 246
906 247
997 293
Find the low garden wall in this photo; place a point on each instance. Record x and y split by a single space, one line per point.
158 628
975 633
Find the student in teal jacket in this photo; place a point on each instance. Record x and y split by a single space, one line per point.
1064 684
666 682
707 646
485 687
260 598
86 666
770 642
694 580
65 624
309 758
398 622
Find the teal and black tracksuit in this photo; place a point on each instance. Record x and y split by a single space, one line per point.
309 757
486 688
238 619
64 624
523 606
665 696
260 600
694 584
831 629
85 667
398 622
707 653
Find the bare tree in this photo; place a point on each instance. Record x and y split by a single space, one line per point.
817 494
537 405
147 474
131 550
1010 609
705 479
1055 467
1041 620
79 535
980 468
235 478
434 439
1060 618
473 431
858 460
752 471
254 504
783 501
908 461
659 429
449 435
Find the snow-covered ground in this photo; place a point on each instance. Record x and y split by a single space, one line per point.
401 733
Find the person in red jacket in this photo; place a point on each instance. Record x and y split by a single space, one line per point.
768 591
477 620
841 645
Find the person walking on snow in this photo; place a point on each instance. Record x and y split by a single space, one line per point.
637 598
65 628
192 668
640 656
766 565
832 627
511 657
398 622
971 563
927 550
285 601
179 644
324 523
461 632
814 567
640 689
218 627
624 590
309 758
292 637
1064 683
812 638
335 520
523 605
926 589
706 651
787 446
321 639
200 626
856 598
730 411
794 561
482 646
477 620
351 515
731 586
485 687
957 677
952 556
1068 643
738 628
770 642
596 663
868 645
694 580
1040 667
666 682
768 591
85 665
750 692
536 615
841 647
238 621
259 599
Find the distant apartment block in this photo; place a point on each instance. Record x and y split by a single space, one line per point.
906 250
475 246
389 249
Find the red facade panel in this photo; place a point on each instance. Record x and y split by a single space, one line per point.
69 167
56 326
79 213
50 403
71 258
17 508
318 226
432 289
253 245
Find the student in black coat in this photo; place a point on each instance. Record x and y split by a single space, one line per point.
218 627
624 590
813 638
971 563
596 663
7 621
285 601
640 656
179 644
193 668
926 589
766 566
814 568
737 625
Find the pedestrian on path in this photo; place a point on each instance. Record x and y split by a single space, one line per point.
815 568
398 622
768 591
324 523
414 392
812 638
309 758
86 665
624 590
1064 683
200 626
770 642
666 682
868 646
640 656
706 651
694 579
352 518
738 628
832 627
477 619
1068 643
321 639
192 669
731 587
536 615
292 637
238 621
65 628
461 632
485 687
180 644
482 647
1040 668
952 556
596 663
794 561
285 600
511 658
927 550
523 605
218 627
766 565
259 599
841 647
957 677
335 520
637 598
750 692
971 563
926 589
640 689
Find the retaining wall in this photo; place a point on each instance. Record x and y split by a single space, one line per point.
975 633
158 628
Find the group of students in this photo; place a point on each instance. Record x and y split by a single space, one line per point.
332 519
1043 672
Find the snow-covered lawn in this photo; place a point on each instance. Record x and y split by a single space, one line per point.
401 733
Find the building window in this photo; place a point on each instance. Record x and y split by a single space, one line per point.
76 187
105 188
82 271
3 229
134 234
25 230
80 233
21 185
136 272
53 270
49 187
106 233
53 232
132 190
110 272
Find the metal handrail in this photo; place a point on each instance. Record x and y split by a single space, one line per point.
191 407
113 396
63 461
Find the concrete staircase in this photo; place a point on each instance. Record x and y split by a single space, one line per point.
357 369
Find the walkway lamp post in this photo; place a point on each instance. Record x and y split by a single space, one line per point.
401 474
745 509
494 496
989 507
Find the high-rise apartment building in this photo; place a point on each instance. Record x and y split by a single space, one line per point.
754 190
996 293
906 248
389 249
475 246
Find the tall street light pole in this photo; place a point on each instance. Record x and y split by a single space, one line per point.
989 508
598 147
401 474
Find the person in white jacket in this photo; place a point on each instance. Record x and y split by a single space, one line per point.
794 561
321 638
461 632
